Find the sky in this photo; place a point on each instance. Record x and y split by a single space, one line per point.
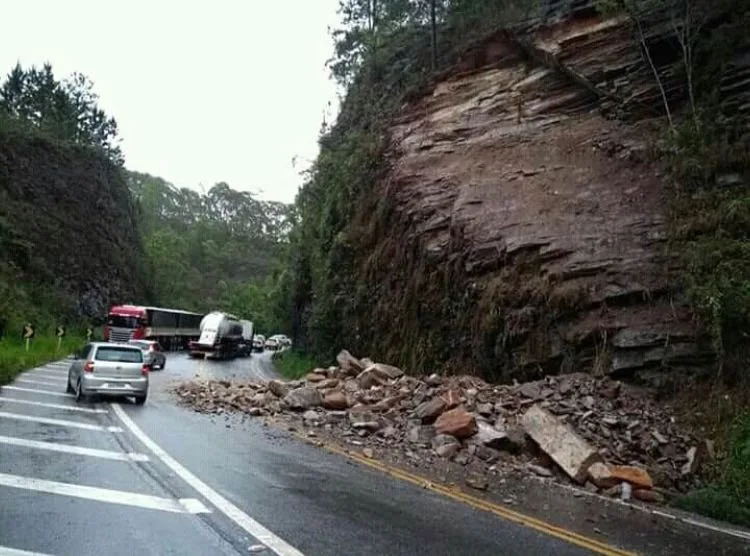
202 91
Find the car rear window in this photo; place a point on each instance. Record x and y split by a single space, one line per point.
119 355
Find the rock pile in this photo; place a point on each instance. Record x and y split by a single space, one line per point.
596 432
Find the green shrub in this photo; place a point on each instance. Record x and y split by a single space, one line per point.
14 358
293 364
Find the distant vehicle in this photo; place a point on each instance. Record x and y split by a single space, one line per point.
246 347
284 340
220 337
172 328
259 342
272 343
152 353
109 369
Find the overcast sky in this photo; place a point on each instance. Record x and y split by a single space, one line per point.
203 91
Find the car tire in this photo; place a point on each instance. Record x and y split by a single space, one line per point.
140 400
68 388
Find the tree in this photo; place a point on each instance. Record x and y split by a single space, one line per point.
67 110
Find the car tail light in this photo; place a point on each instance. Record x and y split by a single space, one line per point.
144 370
88 367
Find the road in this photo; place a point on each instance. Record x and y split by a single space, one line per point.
114 478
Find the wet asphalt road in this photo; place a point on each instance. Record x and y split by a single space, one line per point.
82 479
105 478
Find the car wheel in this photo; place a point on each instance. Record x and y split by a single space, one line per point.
68 388
140 400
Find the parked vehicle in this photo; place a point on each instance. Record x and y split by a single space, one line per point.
102 368
246 348
220 337
172 328
284 340
153 355
259 342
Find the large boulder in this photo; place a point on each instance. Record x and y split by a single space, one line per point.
278 388
335 400
303 398
348 363
457 422
430 410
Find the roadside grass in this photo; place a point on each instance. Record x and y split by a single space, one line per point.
14 358
728 499
293 364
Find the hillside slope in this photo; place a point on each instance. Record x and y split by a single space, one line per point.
69 229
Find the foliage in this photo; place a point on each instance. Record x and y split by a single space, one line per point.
65 110
14 358
293 364
215 250
729 498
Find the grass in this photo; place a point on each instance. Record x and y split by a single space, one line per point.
293 364
14 358
728 499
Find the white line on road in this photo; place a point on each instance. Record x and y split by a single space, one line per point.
52 405
182 505
58 422
40 382
275 543
7 551
46 376
67 449
37 391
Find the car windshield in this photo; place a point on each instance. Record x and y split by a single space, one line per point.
118 355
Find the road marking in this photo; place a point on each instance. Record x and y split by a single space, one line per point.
40 382
58 422
510 515
46 376
182 505
7 551
275 543
77 450
52 405
37 391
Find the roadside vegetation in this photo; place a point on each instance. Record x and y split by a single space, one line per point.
293 364
14 358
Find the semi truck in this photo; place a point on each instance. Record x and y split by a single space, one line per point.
172 328
220 337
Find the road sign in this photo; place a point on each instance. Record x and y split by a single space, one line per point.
28 331
89 333
60 331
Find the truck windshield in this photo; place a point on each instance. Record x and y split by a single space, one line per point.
120 321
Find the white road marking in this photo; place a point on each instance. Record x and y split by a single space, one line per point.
46 376
67 449
37 391
40 382
58 422
182 505
7 551
275 543
52 405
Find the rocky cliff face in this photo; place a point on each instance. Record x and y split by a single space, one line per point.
72 221
516 195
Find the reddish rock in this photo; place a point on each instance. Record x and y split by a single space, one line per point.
457 422
335 400
636 476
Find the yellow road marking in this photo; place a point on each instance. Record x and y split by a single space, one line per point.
456 494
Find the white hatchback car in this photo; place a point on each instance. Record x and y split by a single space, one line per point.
110 370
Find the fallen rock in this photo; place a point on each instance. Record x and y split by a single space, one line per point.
386 371
335 400
348 363
430 410
489 436
636 476
278 388
647 495
601 476
477 482
691 465
452 398
303 398
445 445
368 453
456 422
421 434
371 377
573 454
539 470
314 377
